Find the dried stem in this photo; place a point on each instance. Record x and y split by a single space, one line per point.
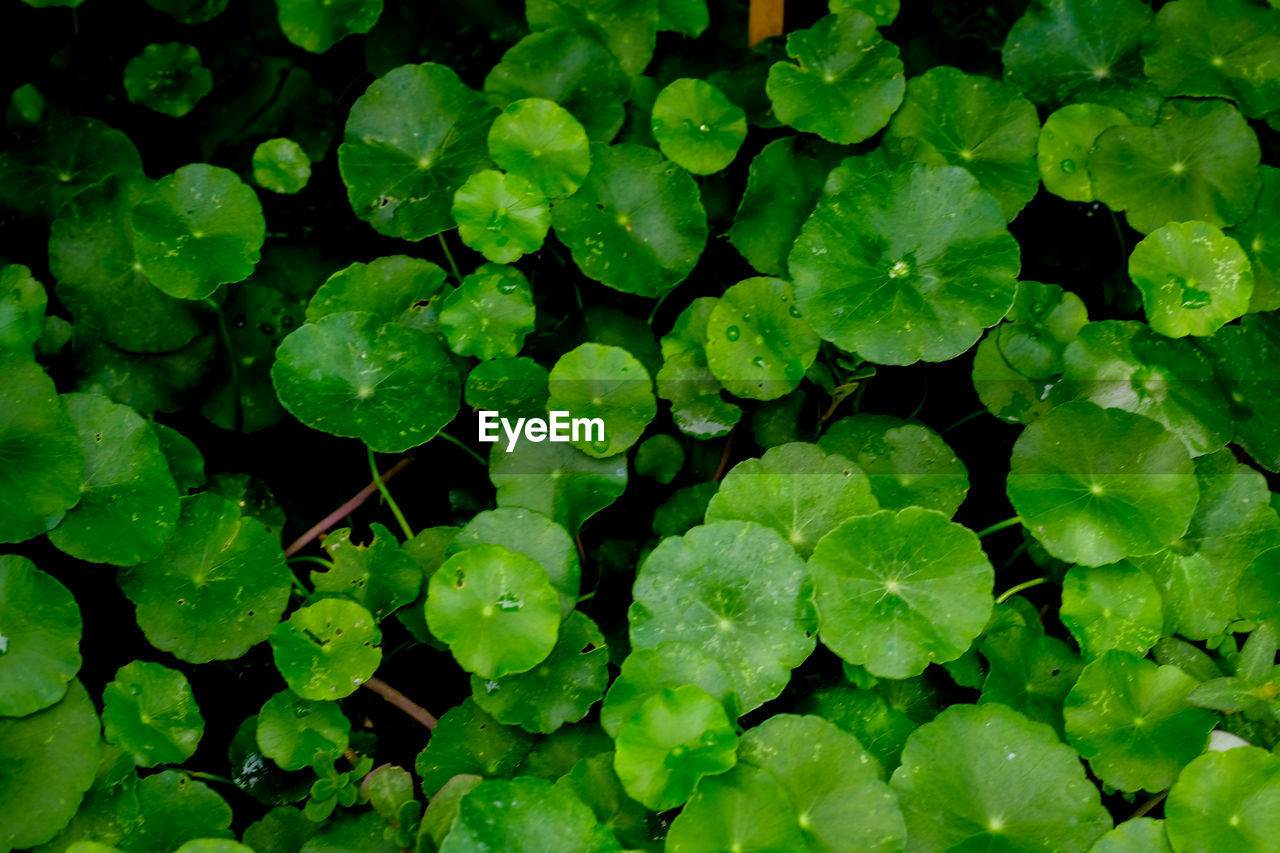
404 703
344 510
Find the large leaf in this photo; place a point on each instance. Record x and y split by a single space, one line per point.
747 808
758 343
1112 607
317 25
1226 801
1247 358
542 142
526 815
39 635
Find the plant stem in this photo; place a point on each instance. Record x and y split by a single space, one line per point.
344 510
225 334
1000 525
300 588
1017 552
463 445
964 420
724 457
404 703
386 496
449 256
1017 588
211 777
320 561
1149 805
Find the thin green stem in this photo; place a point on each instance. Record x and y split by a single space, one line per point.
1017 552
225 334
1000 525
1017 588
1115 221
859 394
453 265
300 588
1149 805
656 306
210 777
319 561
964 420
386 496
470 452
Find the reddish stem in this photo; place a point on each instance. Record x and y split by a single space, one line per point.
404 703
346 509
724 457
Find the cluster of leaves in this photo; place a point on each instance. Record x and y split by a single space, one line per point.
755 615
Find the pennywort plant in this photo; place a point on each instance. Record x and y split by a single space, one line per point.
926 359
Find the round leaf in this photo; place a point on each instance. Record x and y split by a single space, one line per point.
1199 161
1259 236
746 809
697 407
378 576
317 25
605 383
659 458
176 809
896 591
1094 485
845 83
678 736
216 589
758 343
291 730
281 166
979 124
557 480
190 11
1226 801
39 637
148 711
1193 278
129 501
649 671
737 590
327 649
489 315
398 288
22 304
1112 607
42 461
168 78
986 776
906 265
348 374
1067 138
496 609
534 535
696 126
501 216
525 815
542 142
1130 718
1135 835
469 741
196 229
637 224
411 140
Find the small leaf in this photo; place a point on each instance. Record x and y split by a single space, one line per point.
148 711
1066 139
667 665
1112 607
378 576
317 25
542 142
327 649
1193 278
523 816
557 480
501 216
687 382
281 166
606 384
168 78
468 741
758 342
696 126
291 730
490 314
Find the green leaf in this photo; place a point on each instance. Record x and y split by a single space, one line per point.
378 576
148 711
949 118
882 728
906 265
496 609
747 808
1223 48
1131 720
737 590
41 476
608 384
557 480
327 649
515 386
317 25
542 142
190 11
1112 607
1225 801
1247 359
196 229
398 288
758 343
534 535
594 781
1125 365
845 83
51 758
213 845
176 809
907 463
348 374
689 17
186 464
1027 670
526 815
388 788
882 12
1094 485
1259 236
627 27
1082 51
1233 523
836 786
168 78
259 777
797 489
696 126
560 689
687 382
1193 278
660 458
783 184
677 736
291 730
501 216
985 776
1199 161
410 142
1067 138
1135 835
364 832
217 588
672 664
1258 593
109 810
22 304
128 501
490 314
39 637
898 590
1017 362
281 165
283 829
572 69
467 740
